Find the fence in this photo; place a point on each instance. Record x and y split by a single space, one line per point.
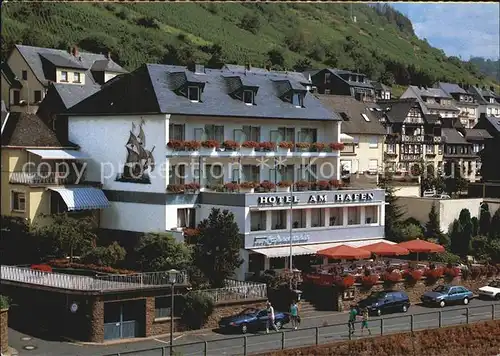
260 343
84 283
237 290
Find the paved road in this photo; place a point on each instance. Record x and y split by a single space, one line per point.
218 344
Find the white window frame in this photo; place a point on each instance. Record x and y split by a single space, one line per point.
77 75
197 89
251 97
64 76
12 196
367 119
371 144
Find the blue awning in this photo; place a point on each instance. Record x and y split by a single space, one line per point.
82 198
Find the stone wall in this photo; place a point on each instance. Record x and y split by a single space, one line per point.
4 330
228 309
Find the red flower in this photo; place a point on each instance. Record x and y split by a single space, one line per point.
336 146
391 276
250 144
210 144
267 146
284 184
318 146
322 184
247 185
369 281
231 187
230 145
267 185
286 144
344 282
335 183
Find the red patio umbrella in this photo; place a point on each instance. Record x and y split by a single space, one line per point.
419 246
344 252
386 249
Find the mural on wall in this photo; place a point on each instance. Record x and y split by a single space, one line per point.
140 161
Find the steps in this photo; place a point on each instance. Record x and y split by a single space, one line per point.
306 308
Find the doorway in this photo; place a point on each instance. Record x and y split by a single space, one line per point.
123 320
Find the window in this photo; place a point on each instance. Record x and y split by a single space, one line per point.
371 214
214 175
18 201
285 173
298 100
38 96
25 74
373 166
317 217
373 142
354 215
299 218
163 306
186 218
250 173
257 221
278 219
176 132
277 263
177 174
252 133
214 132
336 216
286 134
76 77
365 117
328 78
17 97
308 172
256 262
194 93
248 97
308 135
391 148
64 76
429 149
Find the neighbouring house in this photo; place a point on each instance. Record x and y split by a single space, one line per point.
464 101
488 100
434 101
490 171
366 151
479 139
41 174
459 151
28 72
343 82
169 143
382 91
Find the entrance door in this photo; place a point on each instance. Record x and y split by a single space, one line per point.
122 319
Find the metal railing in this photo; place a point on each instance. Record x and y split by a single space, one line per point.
262 343
237 290
84 283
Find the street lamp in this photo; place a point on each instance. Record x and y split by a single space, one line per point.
172 278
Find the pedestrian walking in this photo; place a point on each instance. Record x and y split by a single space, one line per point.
352 319
364 322
270 318
294 315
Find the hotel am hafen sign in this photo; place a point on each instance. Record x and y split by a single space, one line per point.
314 199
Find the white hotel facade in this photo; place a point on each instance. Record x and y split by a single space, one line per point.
137 115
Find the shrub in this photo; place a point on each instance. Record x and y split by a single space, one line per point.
63 263
267 185
247 185
369 281
322 184
412 276
451 272
267 146
433 274
284 184
391 277
286 144
250 144
175 188
231 187
192 186
210 144
230 145
105 255
198 306
318 146
303 145
336 146
4 302
41 267
445 257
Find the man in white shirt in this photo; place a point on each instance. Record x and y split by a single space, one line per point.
270 318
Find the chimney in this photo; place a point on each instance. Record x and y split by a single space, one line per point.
74 51
196 68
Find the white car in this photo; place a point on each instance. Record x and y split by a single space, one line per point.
492 290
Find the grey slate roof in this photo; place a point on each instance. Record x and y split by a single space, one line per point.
148 89
34 55
107 65
73 94
453 136
451 88
10 76
62 62
4 113
353 109
495 122
338 72
477 134
397 110
380 86
432 92
479 94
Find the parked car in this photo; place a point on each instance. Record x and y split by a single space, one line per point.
442 196
447 294
492 290
252 319
390 301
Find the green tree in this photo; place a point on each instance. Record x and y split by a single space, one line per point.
495 225
302 65
475 226
296 41
276 58
110 255
393 212
484 220
250 23
159 251
410 232
433 229
217 252
461 233
70 233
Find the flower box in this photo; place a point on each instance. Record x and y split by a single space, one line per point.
192 187
344 282
230 145
175 188
318 147
231 187
176 145
248 147
369 281
267 146
285 147
336 146
335 183
267 186
390 277
303 146
247 187
302 185
209 146
283 186
192 145
322 185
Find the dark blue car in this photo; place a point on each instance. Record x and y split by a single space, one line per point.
252 319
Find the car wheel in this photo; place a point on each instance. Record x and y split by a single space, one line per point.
442 303
497 297
379 312
466 301
244 328
279 325
405 308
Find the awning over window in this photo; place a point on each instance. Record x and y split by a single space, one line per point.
59 154
82 198
311 249
346 138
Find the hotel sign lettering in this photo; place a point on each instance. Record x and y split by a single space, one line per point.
316 198
276 240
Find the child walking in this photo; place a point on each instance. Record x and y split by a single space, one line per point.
364 323
294 313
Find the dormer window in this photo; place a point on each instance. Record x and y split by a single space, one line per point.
193 93
248 97
492 100
298 100
64 76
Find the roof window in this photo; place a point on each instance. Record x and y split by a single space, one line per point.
365 117
193 93
248 97
344 116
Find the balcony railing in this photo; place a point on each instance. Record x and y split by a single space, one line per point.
413 139
43 178
237 291
411 157
83 283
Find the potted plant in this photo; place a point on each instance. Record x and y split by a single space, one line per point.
247 187
267 146
302 185
192 187
285 147
369 280
412 276
230 145
175 188
283 186
209 146
336 146
267 186
192 145
231 187
176 145
303 146
248 147
318 147
323 185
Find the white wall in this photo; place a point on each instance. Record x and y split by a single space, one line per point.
240 214
103 138
133 217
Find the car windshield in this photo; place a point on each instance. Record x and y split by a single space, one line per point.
248 311
441 289
495 284
377 296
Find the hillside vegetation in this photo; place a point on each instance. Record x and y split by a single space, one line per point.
380 43
487 67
